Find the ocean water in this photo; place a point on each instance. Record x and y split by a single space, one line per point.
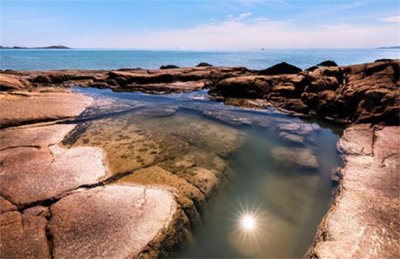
115 59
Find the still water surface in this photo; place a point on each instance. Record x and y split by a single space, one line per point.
115 59
278 184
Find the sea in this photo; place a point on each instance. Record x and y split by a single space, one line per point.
39 59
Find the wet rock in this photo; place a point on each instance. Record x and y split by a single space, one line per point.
352 141
327 63
189 196
23 236
295 158
281 68
204 179
34 107
163 88
116 221
363 221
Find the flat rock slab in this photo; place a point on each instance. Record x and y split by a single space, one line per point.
34 136
115 221
29 107
30 175
364 219
30 171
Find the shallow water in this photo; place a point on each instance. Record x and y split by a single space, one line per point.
114 59
277 168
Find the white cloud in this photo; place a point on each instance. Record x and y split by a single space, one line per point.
255 34
244 15
391 19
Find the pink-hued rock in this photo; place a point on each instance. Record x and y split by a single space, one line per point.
364 220
115 221
29 175
11 82
38 107
34 136
5 205
23 236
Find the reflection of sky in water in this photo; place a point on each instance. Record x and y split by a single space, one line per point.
271 207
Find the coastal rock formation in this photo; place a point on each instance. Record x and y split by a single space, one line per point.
11 82
327 63
29 107
281 68
358 93
91 186
363 221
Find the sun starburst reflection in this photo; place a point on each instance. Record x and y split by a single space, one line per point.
248 222
250 232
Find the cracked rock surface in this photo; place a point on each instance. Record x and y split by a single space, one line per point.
364 221
114 185
114 221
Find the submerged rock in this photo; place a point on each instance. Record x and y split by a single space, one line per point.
295 158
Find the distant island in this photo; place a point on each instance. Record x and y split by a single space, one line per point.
391 47
48 47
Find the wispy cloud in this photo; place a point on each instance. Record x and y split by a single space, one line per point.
255 34
391 19
244 15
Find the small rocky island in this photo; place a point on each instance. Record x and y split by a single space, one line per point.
48 47
64 195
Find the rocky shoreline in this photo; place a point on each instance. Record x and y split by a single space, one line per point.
38 113
365 93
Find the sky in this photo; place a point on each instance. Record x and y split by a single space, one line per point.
201 24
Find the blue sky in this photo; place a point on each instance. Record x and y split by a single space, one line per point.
201 24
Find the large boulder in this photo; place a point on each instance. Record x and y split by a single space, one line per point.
204 64
168 67
281 68
242 87
327 63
